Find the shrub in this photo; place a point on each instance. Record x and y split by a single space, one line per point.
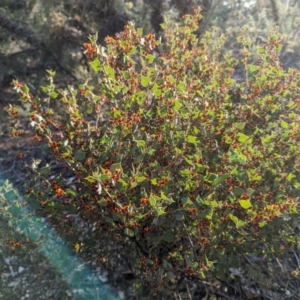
183 167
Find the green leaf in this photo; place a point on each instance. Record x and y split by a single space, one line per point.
154 181
189 261
45 89
140 179
243 138
80 155
145 81
284 124
208 262
238 223
240 126
220 179
45 170
25 89
177 105
179 217
89 110
185 172
95 64
211 203
192 139
153 200
140 143
122 184
133 50
150 58
210 177
156 90
90 179
115 166
238 191
53 95
253 68
71 192
181 86
110 72
163 25
171 79
261 50
207 214
102 202
245 203
168 237
160 211
262 224
140 31
11 195
129 232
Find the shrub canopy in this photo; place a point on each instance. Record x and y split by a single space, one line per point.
185 167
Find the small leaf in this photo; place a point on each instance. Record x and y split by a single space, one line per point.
140 143
177 105
45 171
261 50
284 124
238 223
140 179
70 192
207 214
181 86
116 166
129 232
256 177
11 195
103 202
240 126
145 81
179 217
160 211
25 89
253 68
243 138
89 110
152 200
192 139
189 261
185 172
154 181
238 191
95 64
220 179
168 237
262 224
212 203
53 95
210 178
80 155
245 203
150 58
156 91
110 72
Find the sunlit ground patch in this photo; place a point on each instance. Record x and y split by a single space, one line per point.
28 229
